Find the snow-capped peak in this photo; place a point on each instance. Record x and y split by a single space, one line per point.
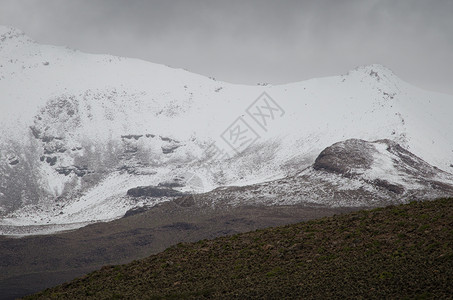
11 33
374 68
376 73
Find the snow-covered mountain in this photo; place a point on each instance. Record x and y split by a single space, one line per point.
77 130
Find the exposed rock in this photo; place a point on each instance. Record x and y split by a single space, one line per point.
52 148
169 149
132 136
136 169
47 139
343 157
171 184
79 171
153 191
397 189
128 169
64 170
51 160
135 211
167 139
36 132
14 161
442 186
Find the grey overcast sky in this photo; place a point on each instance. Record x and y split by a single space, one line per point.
254 41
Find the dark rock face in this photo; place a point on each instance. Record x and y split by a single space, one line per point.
51 160
54 148
132 136
171 145
153 191
171 184
135 211
14 161
341 158
79 171
169 149
64 170
389 186
167 139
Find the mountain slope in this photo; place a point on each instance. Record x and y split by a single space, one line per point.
396 252
33 263
79 130
351 173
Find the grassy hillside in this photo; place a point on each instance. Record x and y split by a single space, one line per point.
31 264
395 252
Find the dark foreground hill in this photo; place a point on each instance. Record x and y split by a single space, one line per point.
394 252
31 264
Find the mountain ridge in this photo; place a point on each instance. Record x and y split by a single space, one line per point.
79 130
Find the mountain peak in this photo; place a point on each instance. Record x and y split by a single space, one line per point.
9 33
374 68
375 71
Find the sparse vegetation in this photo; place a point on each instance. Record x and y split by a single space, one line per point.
395 252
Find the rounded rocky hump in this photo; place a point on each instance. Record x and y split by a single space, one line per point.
346 158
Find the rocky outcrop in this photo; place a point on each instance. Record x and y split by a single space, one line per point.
153 191
383 163
394 188
51 148
13 160
51 160
132 136
77 170
167 139
169 148
135 211
345 157
171 184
